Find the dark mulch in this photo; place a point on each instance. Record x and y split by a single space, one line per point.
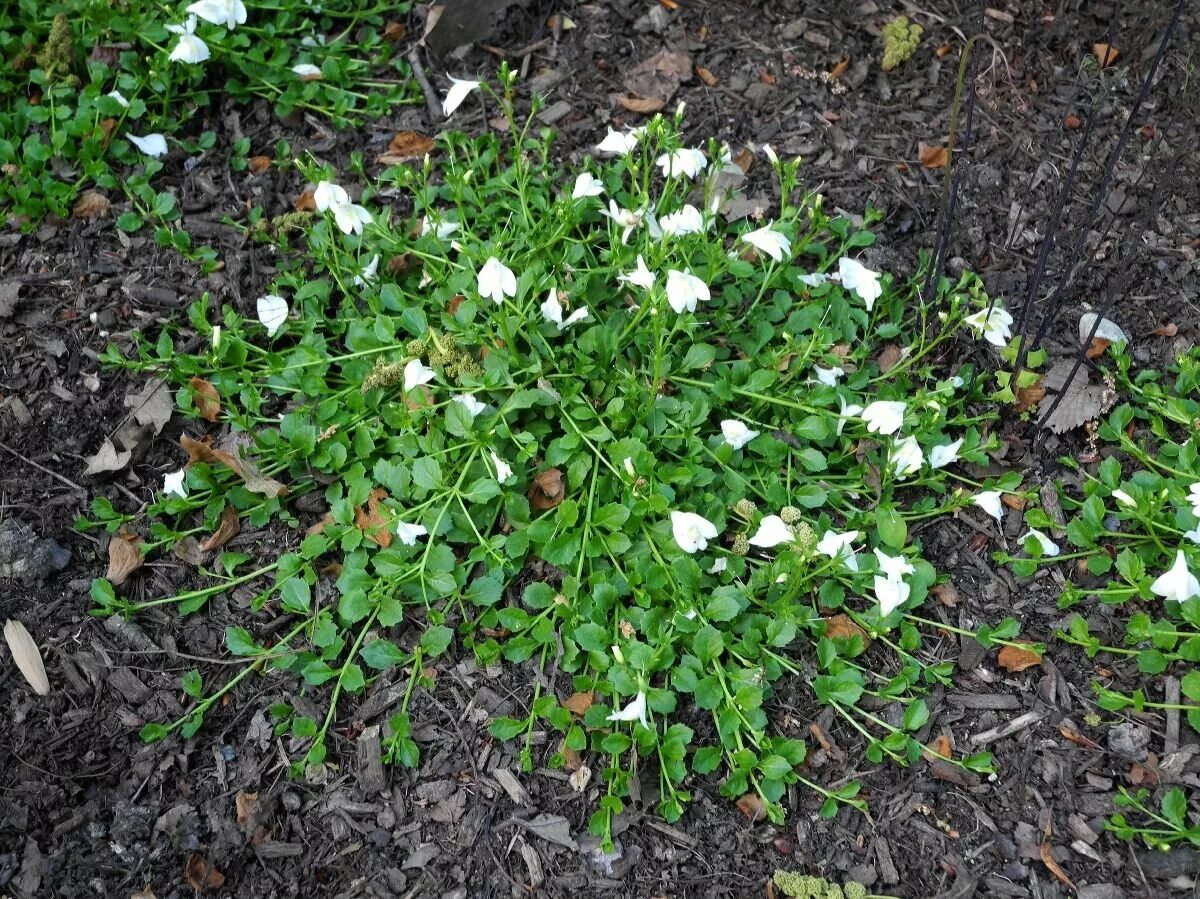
86 809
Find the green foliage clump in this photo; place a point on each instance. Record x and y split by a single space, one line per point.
900 40
804 886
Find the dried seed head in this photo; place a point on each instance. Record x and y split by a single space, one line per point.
790 514
745 508
384 374
741 545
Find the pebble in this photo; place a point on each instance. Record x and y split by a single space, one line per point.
291 801
1130 740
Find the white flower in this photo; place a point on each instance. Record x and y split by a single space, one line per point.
691 531
736 434
718 565
1194 498
408 533
907 457
220 12
459 90
468 401
152 144
828 376
772 243
190 48
586 186
837 546
995 325
634 711
686 162
552 311
989 501
772 531
442 229
629 469
884 416
416 374
684 290
119 97
620 144
857 277
306 71
891 594
272 312
770 153
941 456
816 279
640 276
1049 547
496 280
328 195
847 412
627 219
893 567
503 469
1124 498
369 273
351 218
1193 535
175 483
687 220
1178 583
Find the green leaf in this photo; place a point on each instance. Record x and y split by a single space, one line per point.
192 684
427 473
295 596
893 531
775 767
381 654
506 728
240 643
435 639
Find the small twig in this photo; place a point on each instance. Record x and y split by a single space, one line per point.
43 469
432 103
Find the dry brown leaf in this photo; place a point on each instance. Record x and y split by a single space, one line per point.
1055 868
932 157
398 265
1142 775
244 803
840 67
109 127
945 593
405 146
1070 732
1014 501
258 164
205 399
751 805
669 4
1168 330
1105 54
188 550
842 627
394 32
642 105
124 557
579 703
91 205
1013 658
145 892
1081 402
942 50
228 527
201 875
306 202
320 526
707 77
255 481
1072 121
371 520
1097 347
1028 397
547 490
26 656
941 747
889 357
744 160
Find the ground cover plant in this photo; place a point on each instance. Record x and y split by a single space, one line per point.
586 425
96 93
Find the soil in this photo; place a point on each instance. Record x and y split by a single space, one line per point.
87 810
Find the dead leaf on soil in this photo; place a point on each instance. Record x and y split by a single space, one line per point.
1071 732
653 82
145 892
579 703
1097 347
153 405
940 747
889 357
1081 401
552 828
91 205
206 399
547 490
1014 501
744 159
188 550
1072 121
642 105
840 67
394 32
306 202
124 557
107 458
201 875
245 803
1028 397
1014 658
258 164
255 481
371 520
26 656
707 77
405 146
580 777
841 627
945 593
1105 55
1055 868
228 527
1168 330
932 157
751 805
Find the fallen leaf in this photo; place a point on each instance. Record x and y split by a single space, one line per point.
205 399
1014 501
707 77
932 157
320 526
258 164
642 105
1081 402
1055 868
744 160
889 357
1143 776
1070 732
751 805
581 775
394 32
371 520
153 405
1072 121
942 50
1097 347
228 527
552 828
405 146
306 202
244 803
945 593
940 747
107 458
91 205
840 67
398 265
145 892
547 490
26 656
669 4
1013 658
951 773
124 557
255 481
578 703
1168 330
109 128
201 875
842 627
1105 54
1028 397
188 550
767 77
